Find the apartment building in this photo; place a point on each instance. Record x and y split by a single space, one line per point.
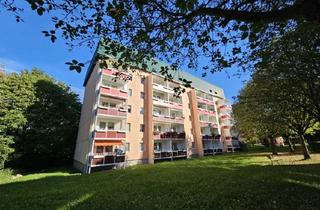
137 119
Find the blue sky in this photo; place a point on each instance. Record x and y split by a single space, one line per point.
23 46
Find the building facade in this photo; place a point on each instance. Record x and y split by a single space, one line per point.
137 119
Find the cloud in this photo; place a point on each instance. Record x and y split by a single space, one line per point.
11 66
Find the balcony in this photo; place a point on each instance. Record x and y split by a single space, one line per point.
169 154
208 124
113 92
162 88
104 159
110 135
225 117
114 73
168 135
206 101
168 119
225 106
206 112
210 137
169 104
113 112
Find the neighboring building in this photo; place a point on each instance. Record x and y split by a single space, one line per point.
138 120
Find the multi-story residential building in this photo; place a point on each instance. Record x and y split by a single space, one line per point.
137 119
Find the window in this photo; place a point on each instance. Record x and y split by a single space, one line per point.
102 125
142 80
141 127
141 147
112 105
174 146
130 92
129 108
142 95
128 127
157 128
108 149
141 110
193 145
110 125
157 146
210 91
127 147
105 104
99 149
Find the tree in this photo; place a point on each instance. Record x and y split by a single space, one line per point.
284 90
41 116
180 32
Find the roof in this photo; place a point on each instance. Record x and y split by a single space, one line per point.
155 67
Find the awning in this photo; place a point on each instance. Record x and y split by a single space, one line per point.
107 143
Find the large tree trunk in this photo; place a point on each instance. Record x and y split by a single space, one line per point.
306 152
273 147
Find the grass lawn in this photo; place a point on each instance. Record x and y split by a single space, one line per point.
237 181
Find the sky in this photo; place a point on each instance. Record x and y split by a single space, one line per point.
23 46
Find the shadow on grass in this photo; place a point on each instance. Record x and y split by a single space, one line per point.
192 184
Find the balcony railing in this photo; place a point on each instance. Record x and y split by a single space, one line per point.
170 104
116 112
115 73
225 117
206 112
110 135
170 154
109 91
162 88
168 135
210 137
169 119
225 106
107 159
208 124
206 101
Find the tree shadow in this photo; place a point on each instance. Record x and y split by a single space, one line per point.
174 185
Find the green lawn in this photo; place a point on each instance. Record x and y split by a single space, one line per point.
237 181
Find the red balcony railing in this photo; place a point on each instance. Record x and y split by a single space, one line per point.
207 112
225 106
113 92
204 100
110 135
119 74
163 118
225 117
112 112
208 124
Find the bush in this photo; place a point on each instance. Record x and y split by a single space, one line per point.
315 146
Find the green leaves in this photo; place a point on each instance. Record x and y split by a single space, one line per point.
75 65
38 116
